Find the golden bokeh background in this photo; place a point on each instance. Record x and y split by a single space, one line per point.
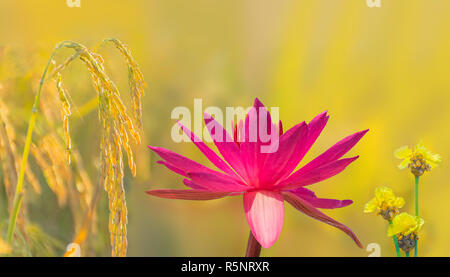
386 69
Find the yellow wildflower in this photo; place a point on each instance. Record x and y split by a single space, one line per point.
405 224
406 228
385 203
419 159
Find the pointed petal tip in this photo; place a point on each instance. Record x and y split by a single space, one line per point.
257 103
350 160
346 202
354 158
157 150
359 135
309 210
324 113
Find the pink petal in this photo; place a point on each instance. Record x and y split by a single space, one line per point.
173 168
291 147
235 132
320 203
280 128
210 154
303 178
265 214
187 194
191 184
225 144
315 128
323 203
336 151
259 131
303 191
304 143
187 182
216 182
309 210
179 162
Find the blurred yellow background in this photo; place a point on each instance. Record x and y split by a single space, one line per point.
384 68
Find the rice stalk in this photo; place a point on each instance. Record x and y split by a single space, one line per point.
117 128
9 158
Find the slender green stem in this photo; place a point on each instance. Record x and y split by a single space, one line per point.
407 254
397 249
416 195
416 203
18 195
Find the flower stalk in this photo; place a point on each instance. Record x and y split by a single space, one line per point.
253 247
397 249
416 204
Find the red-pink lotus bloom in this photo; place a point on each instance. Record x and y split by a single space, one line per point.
264 179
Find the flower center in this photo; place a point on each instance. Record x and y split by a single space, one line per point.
388 212
407 242
419 165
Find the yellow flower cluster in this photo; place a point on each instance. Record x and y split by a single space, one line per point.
403 227
385 203
419 159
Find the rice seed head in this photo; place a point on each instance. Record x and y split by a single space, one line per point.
62 94
117 127
135 79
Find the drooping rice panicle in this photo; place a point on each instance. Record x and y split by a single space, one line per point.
113 117
117 127
135 79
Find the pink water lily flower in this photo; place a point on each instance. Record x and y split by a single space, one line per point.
265 180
